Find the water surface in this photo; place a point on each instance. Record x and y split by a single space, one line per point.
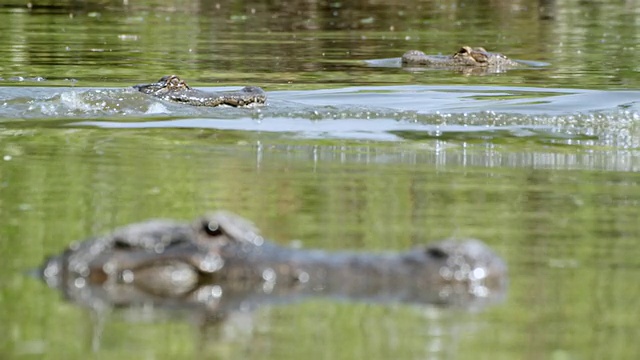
539 162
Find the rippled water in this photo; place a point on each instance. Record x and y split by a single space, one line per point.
606 120
540 162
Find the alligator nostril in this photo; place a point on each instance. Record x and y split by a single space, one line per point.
212 228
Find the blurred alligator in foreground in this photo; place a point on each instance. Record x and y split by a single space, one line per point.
219 264
172 88
465 57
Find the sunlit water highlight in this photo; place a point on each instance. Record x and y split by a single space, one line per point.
562 116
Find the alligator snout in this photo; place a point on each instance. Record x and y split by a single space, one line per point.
174 89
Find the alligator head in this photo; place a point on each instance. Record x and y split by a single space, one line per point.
166 85
224 254
172 88
465 57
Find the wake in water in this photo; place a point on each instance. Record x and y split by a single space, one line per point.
496 114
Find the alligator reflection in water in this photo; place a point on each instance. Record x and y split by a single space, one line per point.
220 264
172 88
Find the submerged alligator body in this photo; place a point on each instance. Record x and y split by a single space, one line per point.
172 88
221 263
463 58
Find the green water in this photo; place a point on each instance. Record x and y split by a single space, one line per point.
540 163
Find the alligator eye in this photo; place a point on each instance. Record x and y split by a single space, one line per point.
122 244
465 50
175 81
212 228
437 253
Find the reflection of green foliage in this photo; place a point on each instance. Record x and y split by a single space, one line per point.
565 234
296 45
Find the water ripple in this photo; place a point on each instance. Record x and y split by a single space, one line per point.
559 117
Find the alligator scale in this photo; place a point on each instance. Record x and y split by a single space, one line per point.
221 262
172 88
